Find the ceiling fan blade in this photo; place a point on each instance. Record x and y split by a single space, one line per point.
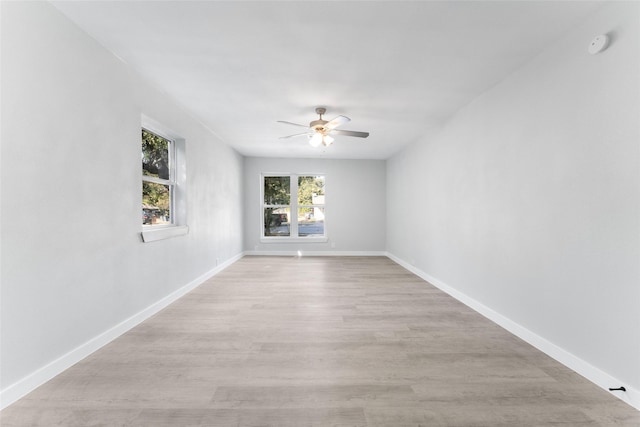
294 124
338 121
350 133
294 135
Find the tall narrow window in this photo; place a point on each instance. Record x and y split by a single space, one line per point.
311 206
158 179
277 206
293 206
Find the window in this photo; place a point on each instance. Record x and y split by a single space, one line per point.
163 183
277 206
293 206
310 206
158 179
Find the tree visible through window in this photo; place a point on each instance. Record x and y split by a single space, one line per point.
157 179
293 206
277 206
310 206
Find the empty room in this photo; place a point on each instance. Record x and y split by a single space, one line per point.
320 213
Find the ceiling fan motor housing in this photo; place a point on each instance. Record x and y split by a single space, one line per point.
318 125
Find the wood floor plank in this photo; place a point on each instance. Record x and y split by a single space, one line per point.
318 341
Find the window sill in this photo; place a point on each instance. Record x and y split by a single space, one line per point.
294 239
152 234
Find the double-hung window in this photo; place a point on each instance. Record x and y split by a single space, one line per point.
293 207
163 183
158 179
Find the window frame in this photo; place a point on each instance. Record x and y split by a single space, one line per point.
293 210
171 182
176 183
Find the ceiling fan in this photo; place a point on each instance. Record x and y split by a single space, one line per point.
320 131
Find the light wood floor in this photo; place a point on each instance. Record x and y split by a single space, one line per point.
325 341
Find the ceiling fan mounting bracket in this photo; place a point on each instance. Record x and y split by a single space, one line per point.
318 125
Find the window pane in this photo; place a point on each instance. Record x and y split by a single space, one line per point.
276 222
311 190
277 190
311 221
155 155
156 202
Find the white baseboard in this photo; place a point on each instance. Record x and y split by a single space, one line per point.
590 372
316 253
26 385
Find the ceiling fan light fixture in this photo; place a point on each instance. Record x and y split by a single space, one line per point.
316 140
327 140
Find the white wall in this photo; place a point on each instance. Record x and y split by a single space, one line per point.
528 201
73 264
355 204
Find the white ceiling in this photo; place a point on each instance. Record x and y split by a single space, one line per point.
399 70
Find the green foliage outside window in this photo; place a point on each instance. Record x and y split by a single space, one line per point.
156 198
308 186
277 191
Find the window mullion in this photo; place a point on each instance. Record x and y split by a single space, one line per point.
294 205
